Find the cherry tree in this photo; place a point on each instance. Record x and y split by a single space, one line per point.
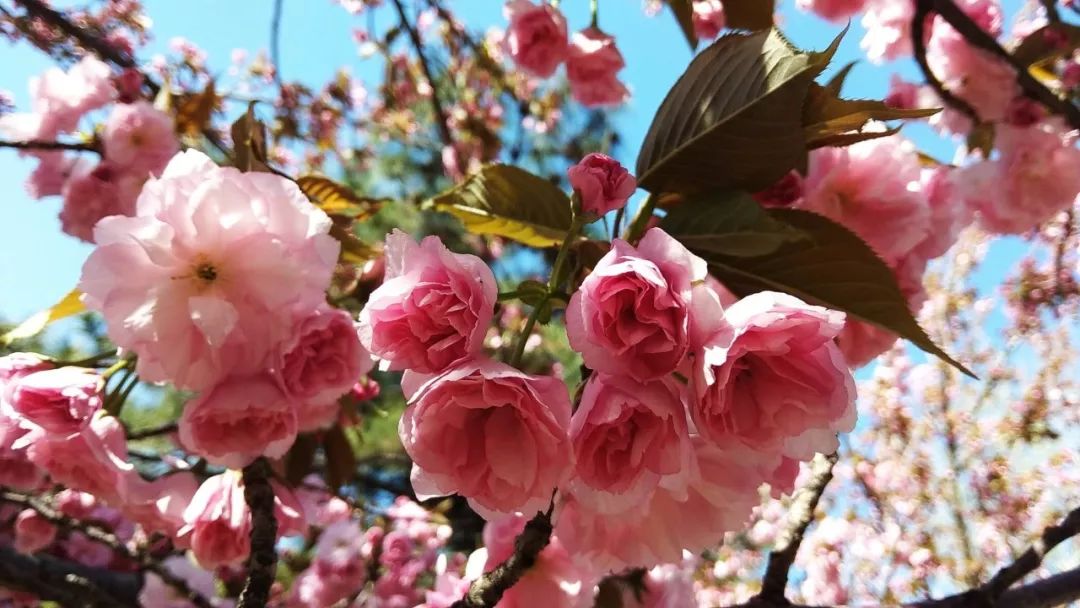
777 362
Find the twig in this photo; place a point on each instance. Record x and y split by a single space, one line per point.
923 8
49 145
67 583
153 431
799 517
442 120
107 539
975 35
275 34
486 591
1052 14
1030 559
262 563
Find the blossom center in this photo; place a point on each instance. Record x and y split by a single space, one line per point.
206 272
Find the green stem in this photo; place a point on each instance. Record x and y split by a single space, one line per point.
530 323
641 220
509 295
91 361
594 8
560 259
115 367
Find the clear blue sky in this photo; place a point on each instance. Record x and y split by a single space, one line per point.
38 263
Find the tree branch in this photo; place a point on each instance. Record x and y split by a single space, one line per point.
1030 560
275 35
105 538
442 120
800 515
979 38
68 583
49 145
486 591
153 431
923 8
262 563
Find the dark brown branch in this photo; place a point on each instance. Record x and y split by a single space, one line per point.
962 23
486 591
68 583
1052 14
442 119
1030 560
1056 590
800 515
49 145
105 538
155 431
923 8
262 563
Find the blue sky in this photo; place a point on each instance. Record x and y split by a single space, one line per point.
38 263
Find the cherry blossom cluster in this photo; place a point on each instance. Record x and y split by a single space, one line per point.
136 141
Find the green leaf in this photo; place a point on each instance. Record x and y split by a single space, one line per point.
1047 43
827 116
836 83
337 199
532 292
749 14
510 202
249 142
733 120
353 250
832 267
729 224
684 14
70 304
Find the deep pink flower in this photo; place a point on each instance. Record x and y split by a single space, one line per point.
592 66
630 316
239 420
33 532
94 460
193 284
536 36
628 436
139 138
53 171
17 365
16 469
786 192
489 432
709 18
833 10
603 184
93 192
433 309
61 400
778 382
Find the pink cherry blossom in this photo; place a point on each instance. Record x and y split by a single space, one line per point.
833 10
603 184
631 314
60 99
489 432
159 505
155 593
338 570
18 365
61 400
33 532
709 18
93 192
592 66
886 209
321 362
16 469
627 437
556 577
1033 178
94 460
193 283
239 420
953 59
888 29
779 383
217 522
139 138
53 171
536 36
433 308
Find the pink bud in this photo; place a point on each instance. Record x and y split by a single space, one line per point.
603 184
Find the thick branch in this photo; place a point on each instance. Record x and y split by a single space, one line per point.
800 515
154 431
106 538
486 591
923 8
442 120
262 563
1030 560
68 583
975 35
49 145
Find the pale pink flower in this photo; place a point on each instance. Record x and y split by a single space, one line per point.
33 532
60 401
16 469
885 208
158 506
779 383
93 192
603 184
708 19
888 29
18 365
627 437
986 82
489 432
631 314
338 570
1033 178
833 10
321 362
949 212
217 522
61 98
94 460
139 138
193 284
592 66
53 171
238 420
722 492
433 308
536 36
155 593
